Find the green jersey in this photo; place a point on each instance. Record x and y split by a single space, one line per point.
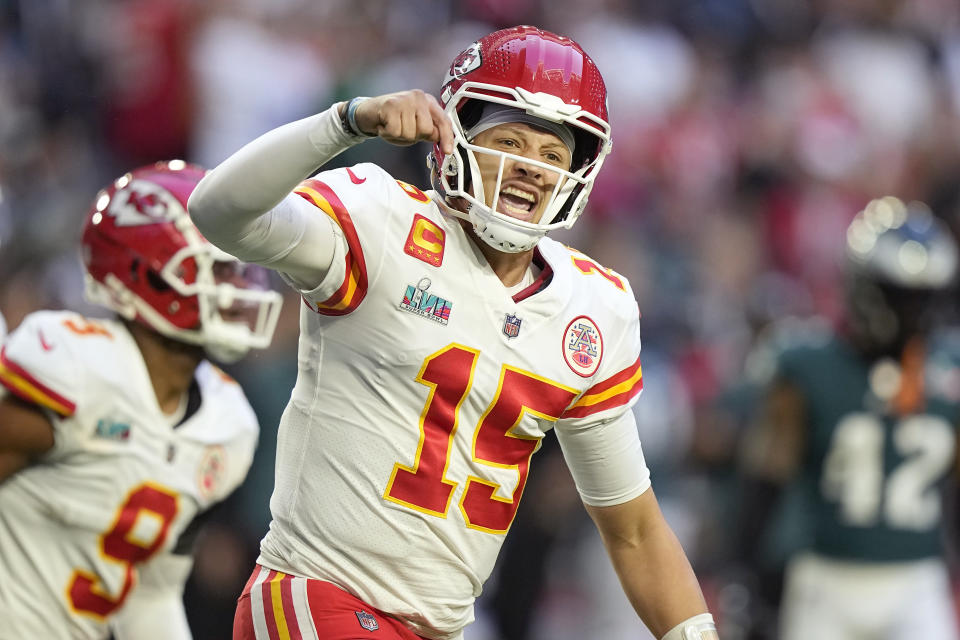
874 476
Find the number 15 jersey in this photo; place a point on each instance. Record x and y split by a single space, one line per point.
424 389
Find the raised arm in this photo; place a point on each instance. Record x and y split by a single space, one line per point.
244 205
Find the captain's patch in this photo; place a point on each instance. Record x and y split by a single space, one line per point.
425 241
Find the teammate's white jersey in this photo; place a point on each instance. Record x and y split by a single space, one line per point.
424 389
120 485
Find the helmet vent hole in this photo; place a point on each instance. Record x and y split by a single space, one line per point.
157 282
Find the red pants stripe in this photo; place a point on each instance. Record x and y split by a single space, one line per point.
279 606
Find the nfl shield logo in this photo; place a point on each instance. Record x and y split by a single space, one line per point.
511 326
367 621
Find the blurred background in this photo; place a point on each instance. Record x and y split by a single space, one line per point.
747 134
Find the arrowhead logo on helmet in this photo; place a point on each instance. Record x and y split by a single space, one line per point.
468 60
145 260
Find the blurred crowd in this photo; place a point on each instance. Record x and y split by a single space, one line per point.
747 134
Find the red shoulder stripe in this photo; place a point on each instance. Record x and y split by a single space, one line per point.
354 287
24 386
615 379
615 391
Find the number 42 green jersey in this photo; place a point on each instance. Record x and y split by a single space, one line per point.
874 472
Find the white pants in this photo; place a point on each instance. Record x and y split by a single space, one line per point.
827 599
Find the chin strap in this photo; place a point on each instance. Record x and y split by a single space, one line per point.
699 627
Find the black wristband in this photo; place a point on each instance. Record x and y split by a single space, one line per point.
348 120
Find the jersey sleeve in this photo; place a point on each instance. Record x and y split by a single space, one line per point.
598 432
357 201
605 459
38 362
620 379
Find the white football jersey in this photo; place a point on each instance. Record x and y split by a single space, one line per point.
120 484
423 390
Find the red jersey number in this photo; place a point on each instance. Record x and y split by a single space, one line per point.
424 486
86 590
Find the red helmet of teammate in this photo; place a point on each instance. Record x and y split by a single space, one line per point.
146 260
548 77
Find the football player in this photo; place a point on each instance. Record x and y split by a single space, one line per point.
862 425
116 434
442 337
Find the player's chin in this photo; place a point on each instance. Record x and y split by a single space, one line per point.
185 348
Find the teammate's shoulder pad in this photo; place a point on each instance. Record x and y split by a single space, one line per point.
61 331
46 360
220 389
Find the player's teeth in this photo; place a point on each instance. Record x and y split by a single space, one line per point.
517 192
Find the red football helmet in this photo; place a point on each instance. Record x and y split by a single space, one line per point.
549 77
146 260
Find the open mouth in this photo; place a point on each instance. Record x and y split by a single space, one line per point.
517 203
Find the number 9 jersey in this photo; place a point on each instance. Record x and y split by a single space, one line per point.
424 388
103 511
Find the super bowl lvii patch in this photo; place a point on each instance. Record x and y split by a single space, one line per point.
416 300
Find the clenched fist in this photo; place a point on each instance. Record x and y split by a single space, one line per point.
404 118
